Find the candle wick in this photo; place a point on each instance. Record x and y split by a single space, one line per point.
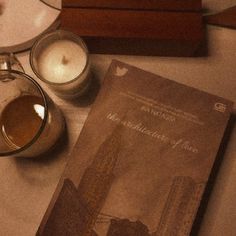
64 60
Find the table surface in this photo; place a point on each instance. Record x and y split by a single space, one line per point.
27 185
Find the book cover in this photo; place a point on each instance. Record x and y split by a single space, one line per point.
142 160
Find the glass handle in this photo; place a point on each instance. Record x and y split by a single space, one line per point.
8 61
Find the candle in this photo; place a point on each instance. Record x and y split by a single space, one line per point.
61 60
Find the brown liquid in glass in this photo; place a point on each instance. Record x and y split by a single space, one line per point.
21 120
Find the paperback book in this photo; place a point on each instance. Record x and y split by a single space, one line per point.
142 160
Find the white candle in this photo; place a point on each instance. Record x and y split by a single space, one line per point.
62 61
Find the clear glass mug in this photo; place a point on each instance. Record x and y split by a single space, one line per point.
30 123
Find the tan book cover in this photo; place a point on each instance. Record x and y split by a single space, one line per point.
142 160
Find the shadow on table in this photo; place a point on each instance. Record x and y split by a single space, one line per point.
44 169
1 8
89 97
213 175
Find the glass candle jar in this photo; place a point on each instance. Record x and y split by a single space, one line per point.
61 60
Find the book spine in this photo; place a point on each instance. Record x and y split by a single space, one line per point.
170 5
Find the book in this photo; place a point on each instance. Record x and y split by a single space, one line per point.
225 18
142 160
168 5
166 28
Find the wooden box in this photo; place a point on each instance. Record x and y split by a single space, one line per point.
166 28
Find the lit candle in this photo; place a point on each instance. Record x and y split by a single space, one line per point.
61 60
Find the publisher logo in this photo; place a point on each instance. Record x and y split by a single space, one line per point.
220 107
120 71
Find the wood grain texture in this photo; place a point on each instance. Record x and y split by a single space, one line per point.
226 18
170 5
136 32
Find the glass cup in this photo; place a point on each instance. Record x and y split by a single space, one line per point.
61 60
30 123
